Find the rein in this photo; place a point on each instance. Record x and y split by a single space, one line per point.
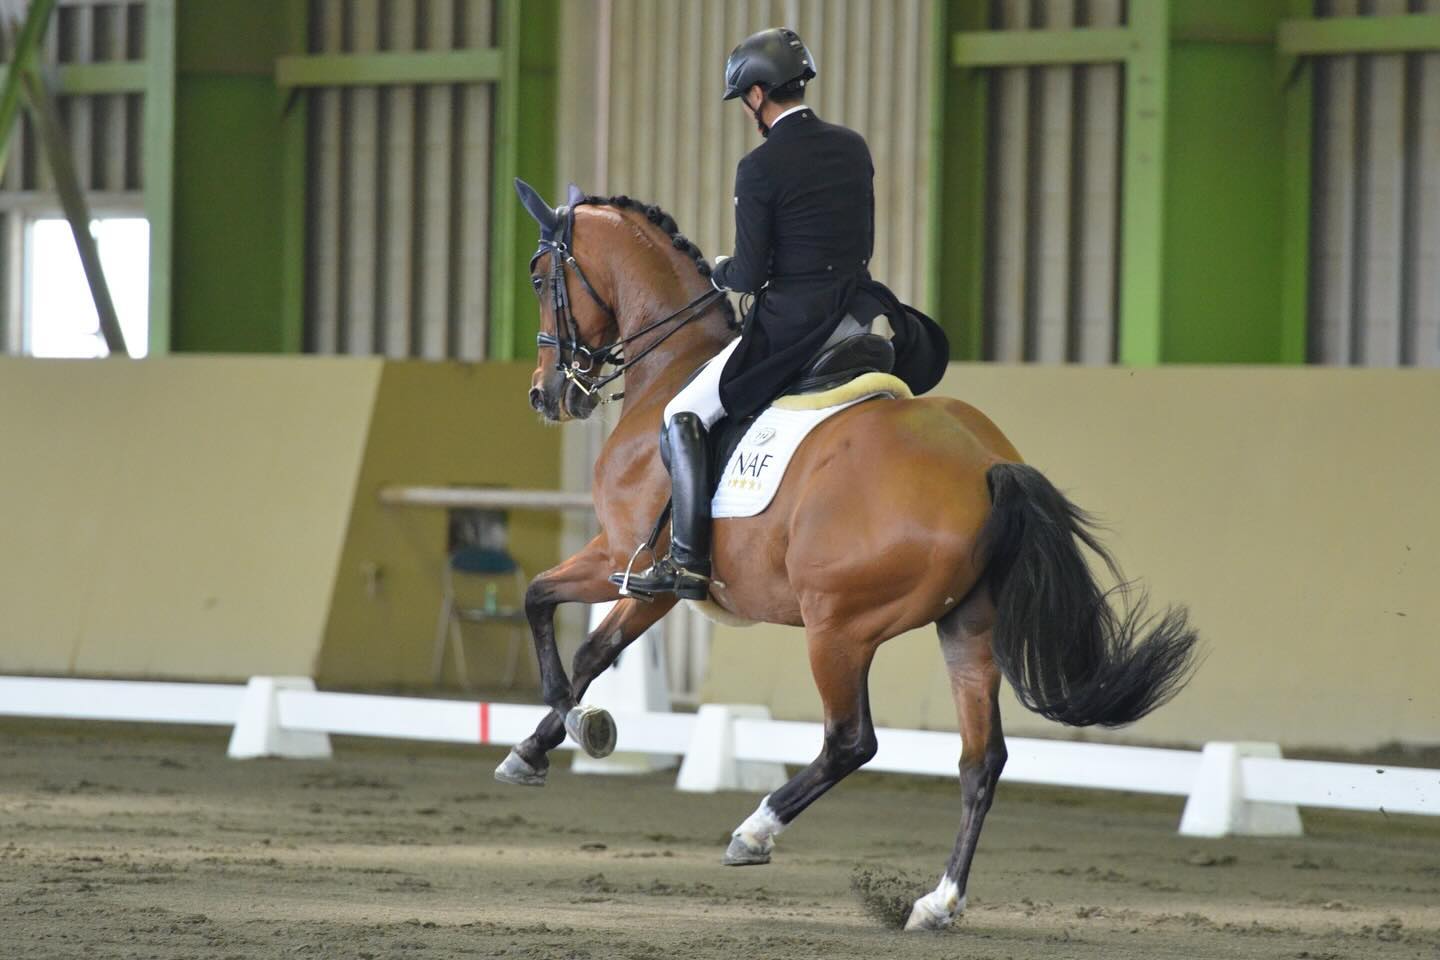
584 365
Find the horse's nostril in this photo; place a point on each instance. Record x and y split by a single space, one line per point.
537 399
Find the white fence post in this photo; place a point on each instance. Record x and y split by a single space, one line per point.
257 730
1217 806
710 762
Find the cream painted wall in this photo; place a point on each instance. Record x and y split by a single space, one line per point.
1296 511
175 517
435 424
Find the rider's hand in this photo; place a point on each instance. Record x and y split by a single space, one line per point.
718 260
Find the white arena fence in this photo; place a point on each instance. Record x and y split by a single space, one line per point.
1232 788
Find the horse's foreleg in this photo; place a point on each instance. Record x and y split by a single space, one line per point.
580 579
975 683
625 622
528 763
841 671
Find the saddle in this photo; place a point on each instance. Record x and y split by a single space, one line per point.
837 364
850 360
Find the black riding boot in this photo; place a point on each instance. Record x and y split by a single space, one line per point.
686 571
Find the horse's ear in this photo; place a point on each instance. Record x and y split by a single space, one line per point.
573 195
536 206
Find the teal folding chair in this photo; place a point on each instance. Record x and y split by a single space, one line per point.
496 573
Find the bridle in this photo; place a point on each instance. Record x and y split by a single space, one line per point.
581 364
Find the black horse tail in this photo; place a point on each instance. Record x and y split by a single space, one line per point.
1067 652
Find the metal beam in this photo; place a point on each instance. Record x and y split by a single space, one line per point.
24 48
82 78
1015 48
103 203
159 163
1340 35
1143 178
56 149
389 69
113 77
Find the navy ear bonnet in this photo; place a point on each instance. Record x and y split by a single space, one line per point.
555 222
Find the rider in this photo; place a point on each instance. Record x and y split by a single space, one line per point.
804 231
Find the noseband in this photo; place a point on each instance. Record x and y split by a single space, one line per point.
579 363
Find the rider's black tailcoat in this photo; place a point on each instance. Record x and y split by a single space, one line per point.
804 215
805 222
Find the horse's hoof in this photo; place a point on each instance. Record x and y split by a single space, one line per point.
592 728
740 854
514 769
927 915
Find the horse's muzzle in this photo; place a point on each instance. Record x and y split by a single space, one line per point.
578 404
557 399
546 402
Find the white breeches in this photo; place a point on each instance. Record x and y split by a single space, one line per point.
702 395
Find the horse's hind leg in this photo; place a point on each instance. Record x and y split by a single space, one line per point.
975 683
527 764
841 674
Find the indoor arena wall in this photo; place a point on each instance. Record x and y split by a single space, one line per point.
1293 510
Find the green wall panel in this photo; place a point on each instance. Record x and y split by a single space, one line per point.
959 150
513 333
1224 207
1216 249
229 202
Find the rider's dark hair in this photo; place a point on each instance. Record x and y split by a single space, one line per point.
792 92
678 240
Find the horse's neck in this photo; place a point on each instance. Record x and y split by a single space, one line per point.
656 379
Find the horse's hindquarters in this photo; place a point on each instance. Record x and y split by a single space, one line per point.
876 521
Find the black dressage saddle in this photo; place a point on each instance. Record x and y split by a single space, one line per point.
837 364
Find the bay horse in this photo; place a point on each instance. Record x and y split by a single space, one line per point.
894 514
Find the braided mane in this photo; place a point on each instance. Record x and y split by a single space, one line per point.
678 240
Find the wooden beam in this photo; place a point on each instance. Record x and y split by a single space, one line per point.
1142 261
1017 48
84 78
24 49
1339 35
389 69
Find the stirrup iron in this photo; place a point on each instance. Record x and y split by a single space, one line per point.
649 545
630 571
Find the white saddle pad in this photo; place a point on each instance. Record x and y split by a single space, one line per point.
757 466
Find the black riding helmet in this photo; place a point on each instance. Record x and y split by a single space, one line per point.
771 58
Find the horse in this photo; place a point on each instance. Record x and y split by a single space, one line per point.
894 514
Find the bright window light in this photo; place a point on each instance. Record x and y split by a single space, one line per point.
60 316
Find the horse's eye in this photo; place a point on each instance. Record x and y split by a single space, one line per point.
536 282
